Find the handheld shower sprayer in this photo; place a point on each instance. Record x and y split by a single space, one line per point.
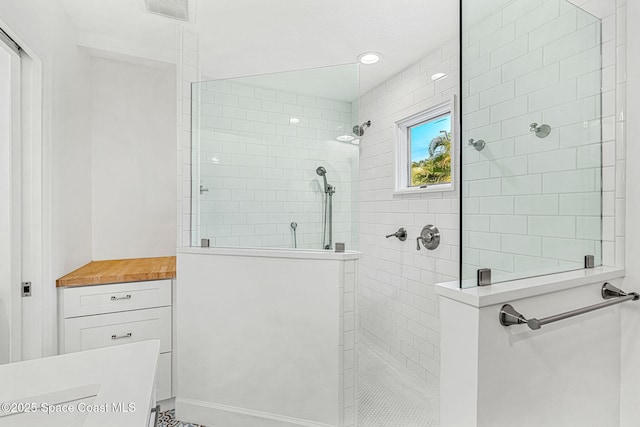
329 190
321 171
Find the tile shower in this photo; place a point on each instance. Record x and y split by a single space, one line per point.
397 307
258 153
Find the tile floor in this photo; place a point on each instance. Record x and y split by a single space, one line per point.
389 395
168 419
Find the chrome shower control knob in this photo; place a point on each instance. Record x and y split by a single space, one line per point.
430 237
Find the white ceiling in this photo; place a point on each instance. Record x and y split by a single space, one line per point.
250 37
123 26
336 82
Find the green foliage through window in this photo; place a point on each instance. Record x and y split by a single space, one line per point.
430 151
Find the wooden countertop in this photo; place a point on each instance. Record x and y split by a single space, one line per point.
120 270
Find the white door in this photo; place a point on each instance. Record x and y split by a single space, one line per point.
10 204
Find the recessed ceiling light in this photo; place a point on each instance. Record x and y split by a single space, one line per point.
294 120
369 58
355 142
438 76
345 138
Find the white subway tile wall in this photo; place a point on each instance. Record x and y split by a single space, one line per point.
537 200
347 345
258 153
188 71
397 306
613 15
394 279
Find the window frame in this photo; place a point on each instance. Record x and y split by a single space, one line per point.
402 146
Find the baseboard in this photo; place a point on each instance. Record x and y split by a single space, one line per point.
167 404
216 414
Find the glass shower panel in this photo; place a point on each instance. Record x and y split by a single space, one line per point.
531 90
275 160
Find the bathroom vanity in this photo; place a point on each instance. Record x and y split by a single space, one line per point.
103 387
108 303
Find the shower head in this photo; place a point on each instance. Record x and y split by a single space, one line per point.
359 130
320 170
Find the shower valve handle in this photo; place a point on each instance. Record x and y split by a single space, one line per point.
425 241
401 234
430 237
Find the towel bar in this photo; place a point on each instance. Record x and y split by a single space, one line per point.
510 316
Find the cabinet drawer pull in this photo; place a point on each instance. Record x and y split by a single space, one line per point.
116 337
114 298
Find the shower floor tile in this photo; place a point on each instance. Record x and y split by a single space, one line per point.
389 395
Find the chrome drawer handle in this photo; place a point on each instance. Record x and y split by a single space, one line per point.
116 337
114 298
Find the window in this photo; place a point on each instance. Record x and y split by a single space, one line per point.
424 150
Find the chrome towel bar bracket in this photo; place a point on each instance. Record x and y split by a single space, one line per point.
510 316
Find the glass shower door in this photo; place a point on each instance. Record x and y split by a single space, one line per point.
276 160
532 132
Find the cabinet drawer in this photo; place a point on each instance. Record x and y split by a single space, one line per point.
98 299
104 330
163 377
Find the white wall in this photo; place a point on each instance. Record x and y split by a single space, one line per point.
565 374
133 122
630 395
45 30
278 348
532 205
397 306
260 169
66 101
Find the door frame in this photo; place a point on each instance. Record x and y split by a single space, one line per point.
38 313
12 178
